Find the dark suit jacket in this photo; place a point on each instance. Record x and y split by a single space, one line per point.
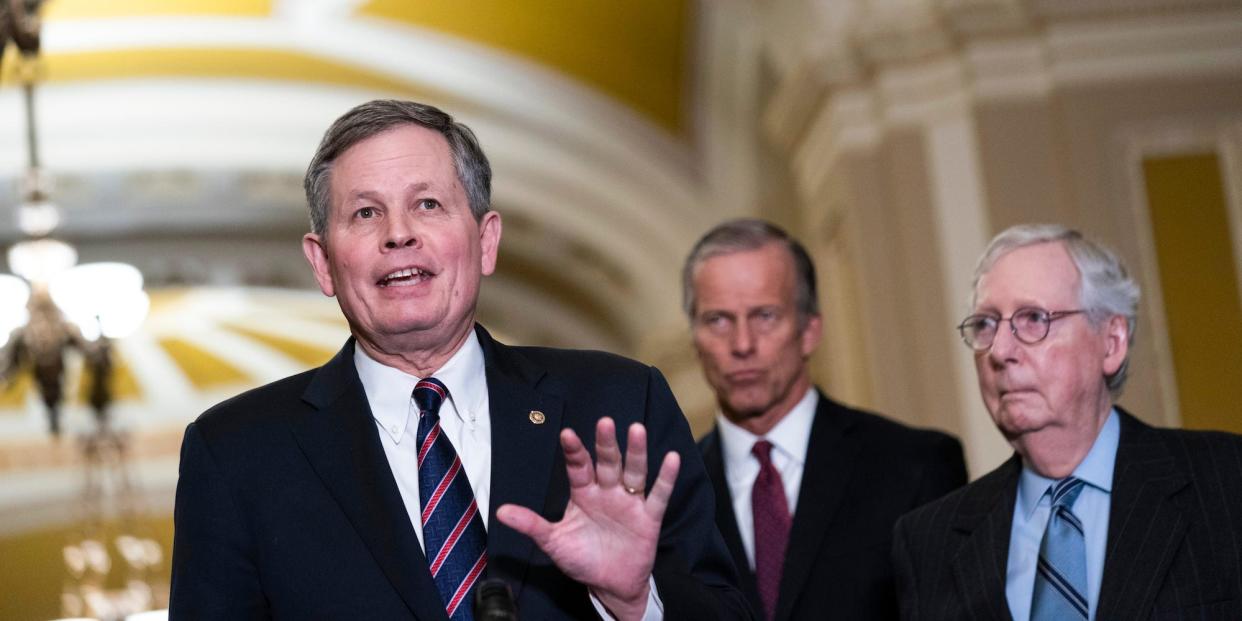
862 472
286 506
1174 547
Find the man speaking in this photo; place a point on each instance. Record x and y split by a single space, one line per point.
425 455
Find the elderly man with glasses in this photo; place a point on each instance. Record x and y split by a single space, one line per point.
1097 515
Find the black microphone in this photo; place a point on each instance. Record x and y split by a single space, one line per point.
493 601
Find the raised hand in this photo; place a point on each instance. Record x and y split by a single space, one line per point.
607 538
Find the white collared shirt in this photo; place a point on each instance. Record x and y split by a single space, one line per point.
464 418
789 439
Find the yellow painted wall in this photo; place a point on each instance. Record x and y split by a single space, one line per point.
1199 282
635 51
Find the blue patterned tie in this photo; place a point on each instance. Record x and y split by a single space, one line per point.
454 539
1061 577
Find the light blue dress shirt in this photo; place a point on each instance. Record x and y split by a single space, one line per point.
1030 518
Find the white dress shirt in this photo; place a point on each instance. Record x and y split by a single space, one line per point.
789 439
465 418
1033 507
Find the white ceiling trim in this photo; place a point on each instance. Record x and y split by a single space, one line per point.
528 94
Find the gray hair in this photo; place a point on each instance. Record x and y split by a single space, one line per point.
375 117
751 234
1105 288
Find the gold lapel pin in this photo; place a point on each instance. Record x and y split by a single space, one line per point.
537 417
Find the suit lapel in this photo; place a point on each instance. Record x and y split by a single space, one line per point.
342 445
726 521
523 463
1145 525
985 519
829 467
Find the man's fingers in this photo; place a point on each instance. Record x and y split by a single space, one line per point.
525 521
662 489
635 475
607 453
577 460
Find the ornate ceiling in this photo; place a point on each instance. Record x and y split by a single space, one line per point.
195 118
177 133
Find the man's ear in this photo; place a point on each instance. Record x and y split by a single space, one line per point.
812 333
1116 343
317 255
489 241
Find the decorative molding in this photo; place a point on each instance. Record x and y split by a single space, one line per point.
1012 68
901 31
1004 50
972 18
1138 47
1076 9
793 104
847 122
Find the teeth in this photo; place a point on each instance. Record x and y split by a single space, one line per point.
402 274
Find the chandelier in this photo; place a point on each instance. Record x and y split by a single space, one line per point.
54 311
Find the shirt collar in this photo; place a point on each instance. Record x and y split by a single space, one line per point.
389 391
1096 468
789 436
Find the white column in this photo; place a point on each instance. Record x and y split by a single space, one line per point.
958 199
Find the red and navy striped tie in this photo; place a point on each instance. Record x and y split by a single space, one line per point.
454 539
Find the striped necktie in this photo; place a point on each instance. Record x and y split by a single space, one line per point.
454 539
1061 576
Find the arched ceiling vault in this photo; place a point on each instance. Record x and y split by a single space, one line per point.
636 55
172 118
177 132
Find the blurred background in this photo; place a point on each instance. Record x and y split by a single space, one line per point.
894 137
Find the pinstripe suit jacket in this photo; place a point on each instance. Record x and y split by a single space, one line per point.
1174 547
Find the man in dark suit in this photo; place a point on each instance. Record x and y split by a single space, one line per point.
807 490
1097 515
424 456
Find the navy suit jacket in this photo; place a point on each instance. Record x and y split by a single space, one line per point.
1174 548
862 472
286 506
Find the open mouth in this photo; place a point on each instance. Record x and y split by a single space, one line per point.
404 278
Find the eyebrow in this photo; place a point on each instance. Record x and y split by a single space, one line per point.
1018 305
413 188
417 188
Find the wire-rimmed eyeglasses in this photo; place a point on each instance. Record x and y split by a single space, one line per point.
1029 325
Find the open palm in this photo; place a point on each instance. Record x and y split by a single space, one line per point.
607 538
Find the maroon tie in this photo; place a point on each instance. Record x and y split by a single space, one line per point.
771 511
